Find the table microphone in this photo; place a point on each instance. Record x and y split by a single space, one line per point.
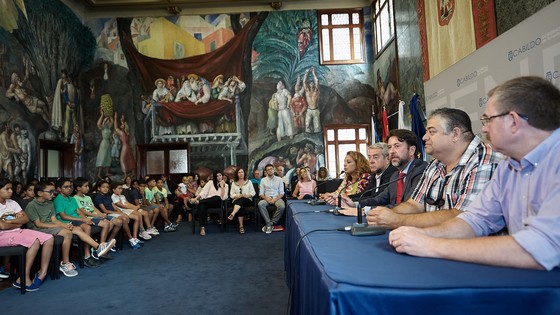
315 201
339 199
364 229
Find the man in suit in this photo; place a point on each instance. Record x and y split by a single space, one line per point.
402 151
463 165
381 169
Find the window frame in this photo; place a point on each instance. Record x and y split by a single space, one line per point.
349 26
377 7
336 142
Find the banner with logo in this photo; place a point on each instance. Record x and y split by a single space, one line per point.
530 48
451 30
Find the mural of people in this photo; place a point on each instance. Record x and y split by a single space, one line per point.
16 91
386 93
115 147
161 94
195 89
285 120
23 165
233 87
103 161
78 143
312 116
299 105
272 115
217 86
128 163
307 158
7 150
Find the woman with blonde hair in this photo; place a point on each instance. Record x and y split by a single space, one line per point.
356 177
305 187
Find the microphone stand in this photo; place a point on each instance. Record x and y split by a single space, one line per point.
315 201
364 229
339 197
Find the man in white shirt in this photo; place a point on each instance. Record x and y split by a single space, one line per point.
271 192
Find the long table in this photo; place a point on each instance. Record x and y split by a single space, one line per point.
333 272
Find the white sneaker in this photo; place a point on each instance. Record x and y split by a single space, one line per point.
68 269
153 231
145 235
103 249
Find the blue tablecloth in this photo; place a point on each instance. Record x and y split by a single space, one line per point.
333 272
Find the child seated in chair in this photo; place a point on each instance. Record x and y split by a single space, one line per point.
12 217
88 210
104 202
132 211
137 198
66 209
151 200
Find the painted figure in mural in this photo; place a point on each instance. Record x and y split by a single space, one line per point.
78 143
217 86
115 147
14 143
17 92
304 36
299 105
307 158
233 87
6 150
147 108
22 168
60 93
128 163
312 116
195 89
272 114
386 93
171 86
161 94
285 120
103 161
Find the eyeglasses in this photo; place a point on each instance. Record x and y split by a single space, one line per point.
439 202
68 186
485 120
49 191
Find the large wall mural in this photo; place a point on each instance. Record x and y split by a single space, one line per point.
77 83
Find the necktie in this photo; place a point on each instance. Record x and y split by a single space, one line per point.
400 187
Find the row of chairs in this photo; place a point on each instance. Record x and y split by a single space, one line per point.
18 257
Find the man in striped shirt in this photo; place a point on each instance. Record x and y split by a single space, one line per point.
462 166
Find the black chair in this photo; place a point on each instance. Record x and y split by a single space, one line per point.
251 211
17 262
220 211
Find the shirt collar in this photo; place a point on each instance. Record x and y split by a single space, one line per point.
535 156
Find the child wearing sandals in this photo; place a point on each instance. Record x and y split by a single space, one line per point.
12 217
242 193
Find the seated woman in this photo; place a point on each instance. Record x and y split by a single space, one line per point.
242 193
12 218
356 179
323 174
305 187
211 196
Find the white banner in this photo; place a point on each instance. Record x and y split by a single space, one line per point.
530 48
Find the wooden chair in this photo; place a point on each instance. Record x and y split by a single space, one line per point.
17 262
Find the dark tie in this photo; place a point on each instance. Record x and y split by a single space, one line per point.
400 187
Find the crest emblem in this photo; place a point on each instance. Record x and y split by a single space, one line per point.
446 8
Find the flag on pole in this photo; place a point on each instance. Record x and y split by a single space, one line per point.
402 124
385 125
418 125
374 134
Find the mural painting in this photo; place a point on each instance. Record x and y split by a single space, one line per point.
253 77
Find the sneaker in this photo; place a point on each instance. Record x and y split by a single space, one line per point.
68 269
3 273
277 228
133 243
102 249
139 242
167 228
153 231
172 227
106 257
91 262
145 235
34 286
268 229
264 229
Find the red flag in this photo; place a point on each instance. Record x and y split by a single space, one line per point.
385 125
